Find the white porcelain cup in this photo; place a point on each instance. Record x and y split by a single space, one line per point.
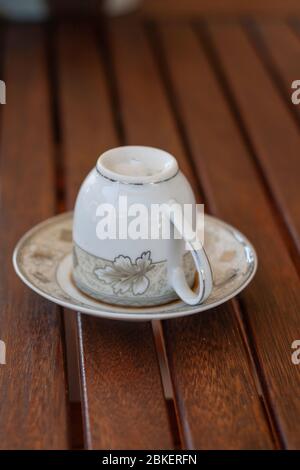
137 272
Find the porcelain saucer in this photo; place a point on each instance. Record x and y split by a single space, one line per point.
43 260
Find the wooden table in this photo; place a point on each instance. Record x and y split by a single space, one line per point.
216 94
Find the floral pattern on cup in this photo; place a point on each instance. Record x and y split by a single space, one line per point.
123 275
125 280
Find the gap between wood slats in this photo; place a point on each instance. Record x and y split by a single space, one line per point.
294 23
69 319
251 356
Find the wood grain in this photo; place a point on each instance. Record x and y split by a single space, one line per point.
270 125
271 304
123 402
123 394
33 410
217 403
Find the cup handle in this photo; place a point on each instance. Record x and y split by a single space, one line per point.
173 212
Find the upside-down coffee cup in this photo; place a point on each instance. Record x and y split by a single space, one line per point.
113 260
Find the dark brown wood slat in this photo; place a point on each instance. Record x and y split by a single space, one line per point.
216 398
271 304
32 384
273 131
123 402
282 46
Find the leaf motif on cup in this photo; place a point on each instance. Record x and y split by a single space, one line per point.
123 275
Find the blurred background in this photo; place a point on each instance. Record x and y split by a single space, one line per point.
35 10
